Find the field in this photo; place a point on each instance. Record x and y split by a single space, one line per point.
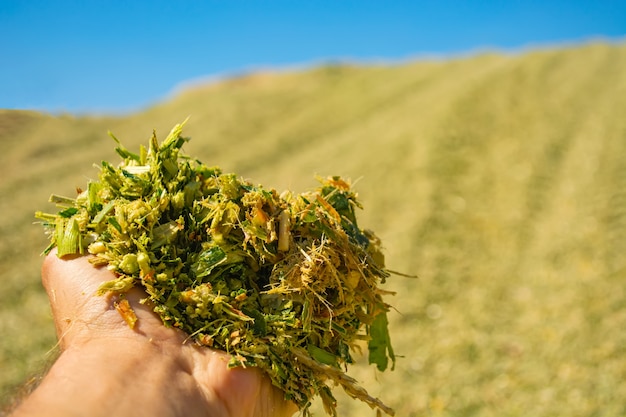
500 180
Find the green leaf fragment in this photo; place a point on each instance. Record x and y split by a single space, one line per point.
68 212
113 222
322 355
260 325
207 261
380 349
106 209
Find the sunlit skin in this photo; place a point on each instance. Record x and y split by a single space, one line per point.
106 368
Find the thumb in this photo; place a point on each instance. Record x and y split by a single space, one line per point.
71 284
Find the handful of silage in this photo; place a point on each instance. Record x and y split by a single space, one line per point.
286 283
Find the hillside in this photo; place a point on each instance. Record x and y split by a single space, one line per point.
498 179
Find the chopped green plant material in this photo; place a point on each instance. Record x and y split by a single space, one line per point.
286 283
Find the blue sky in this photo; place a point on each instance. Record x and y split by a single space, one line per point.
119 56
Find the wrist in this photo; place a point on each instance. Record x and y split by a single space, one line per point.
118 377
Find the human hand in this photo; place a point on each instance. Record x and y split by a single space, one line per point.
107 368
